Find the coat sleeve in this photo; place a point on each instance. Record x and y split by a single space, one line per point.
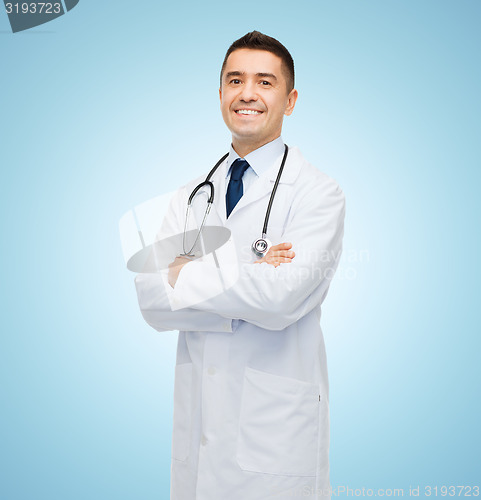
155 295
275 297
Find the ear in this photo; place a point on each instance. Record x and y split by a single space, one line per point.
220 95
291 102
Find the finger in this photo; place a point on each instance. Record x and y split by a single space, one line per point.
274 254
284 253
281 246
279 260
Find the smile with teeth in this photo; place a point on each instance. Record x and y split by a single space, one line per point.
248 112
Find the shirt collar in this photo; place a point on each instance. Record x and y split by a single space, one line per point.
261 159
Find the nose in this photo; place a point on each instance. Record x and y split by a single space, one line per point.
248 92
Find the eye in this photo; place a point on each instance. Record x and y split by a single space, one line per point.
265 83
235 81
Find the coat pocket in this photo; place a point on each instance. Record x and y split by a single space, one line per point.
182 412
278 425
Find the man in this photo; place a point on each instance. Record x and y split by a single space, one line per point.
251 417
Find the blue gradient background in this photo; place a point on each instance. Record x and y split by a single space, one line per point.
96 111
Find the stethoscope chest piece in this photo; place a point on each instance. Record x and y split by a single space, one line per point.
261 246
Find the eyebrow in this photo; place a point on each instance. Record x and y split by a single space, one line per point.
242 73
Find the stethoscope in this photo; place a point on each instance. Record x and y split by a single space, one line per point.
261 245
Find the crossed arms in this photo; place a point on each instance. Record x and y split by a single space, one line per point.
272 293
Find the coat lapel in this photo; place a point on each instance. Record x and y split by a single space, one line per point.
217 215
261 188
219 209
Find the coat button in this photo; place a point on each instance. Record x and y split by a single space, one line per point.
211 370
203 440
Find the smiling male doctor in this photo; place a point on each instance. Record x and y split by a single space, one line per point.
251 415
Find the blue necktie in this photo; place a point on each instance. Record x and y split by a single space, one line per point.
235 188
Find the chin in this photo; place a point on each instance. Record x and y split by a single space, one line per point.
245 132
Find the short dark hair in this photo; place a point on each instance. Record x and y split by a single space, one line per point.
256 40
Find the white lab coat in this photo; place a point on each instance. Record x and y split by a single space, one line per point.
251 411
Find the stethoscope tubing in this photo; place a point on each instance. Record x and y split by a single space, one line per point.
210 201
274 189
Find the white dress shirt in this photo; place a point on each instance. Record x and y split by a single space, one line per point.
259 160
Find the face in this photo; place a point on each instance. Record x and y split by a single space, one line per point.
254 98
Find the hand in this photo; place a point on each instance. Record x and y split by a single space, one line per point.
278 254
175 267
